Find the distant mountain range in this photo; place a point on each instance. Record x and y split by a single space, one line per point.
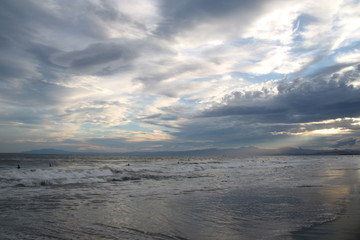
243 151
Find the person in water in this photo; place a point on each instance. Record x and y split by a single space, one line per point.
18 166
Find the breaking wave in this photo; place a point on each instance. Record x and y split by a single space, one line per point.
58 176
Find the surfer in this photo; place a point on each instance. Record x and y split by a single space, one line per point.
49 164
18 167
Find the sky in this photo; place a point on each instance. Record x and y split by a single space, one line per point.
155 75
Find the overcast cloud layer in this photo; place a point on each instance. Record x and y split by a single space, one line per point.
119 75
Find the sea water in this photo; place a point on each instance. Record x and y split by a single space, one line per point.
119 197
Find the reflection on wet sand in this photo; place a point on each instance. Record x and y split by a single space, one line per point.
347 225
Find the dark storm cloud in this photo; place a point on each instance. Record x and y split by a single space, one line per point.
23 27
22 21
297 101
167 70
12 69
23 54
183 15
13 24
95 57
223 131
250 117
27 93
36 30
347 142
42 52
157 118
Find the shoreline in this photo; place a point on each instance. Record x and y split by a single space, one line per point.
346 226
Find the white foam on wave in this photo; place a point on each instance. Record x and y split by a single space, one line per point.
53 176
62 176
56 176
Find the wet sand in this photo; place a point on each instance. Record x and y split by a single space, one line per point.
345 227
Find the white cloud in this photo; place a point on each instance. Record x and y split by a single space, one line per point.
276 26
280 60
153 136
349 57
334 25
103 113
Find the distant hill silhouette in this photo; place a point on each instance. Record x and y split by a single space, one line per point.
243 151
47 151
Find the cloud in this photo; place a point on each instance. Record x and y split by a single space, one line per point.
278 109
346 142
299 100
10 69
96 57
178 74
349 57
99 112
332 24
208 18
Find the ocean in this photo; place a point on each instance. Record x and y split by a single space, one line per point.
178 198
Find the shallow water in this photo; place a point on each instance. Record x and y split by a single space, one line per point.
101 197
